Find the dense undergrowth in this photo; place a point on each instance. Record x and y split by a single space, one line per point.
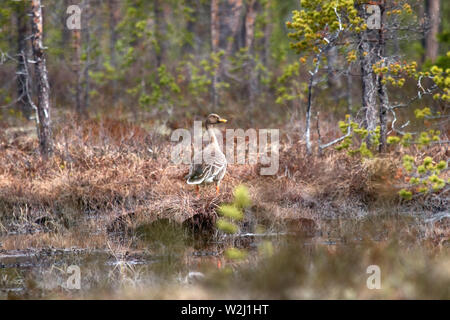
112 169
111 186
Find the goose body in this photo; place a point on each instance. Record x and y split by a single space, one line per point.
210 165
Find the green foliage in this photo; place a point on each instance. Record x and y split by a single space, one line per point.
245 64
232 213
200 78
266 249
438 74
273 16
405 194
201 74
289 87
235 254
395 73
108 73
241 197
316 18
408 162
357 137
226 226
166 86
442 79
444 61
422 113
423 178
424 138
393 140
426 176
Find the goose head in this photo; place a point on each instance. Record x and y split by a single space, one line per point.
213 119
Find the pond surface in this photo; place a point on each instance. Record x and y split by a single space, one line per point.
331 262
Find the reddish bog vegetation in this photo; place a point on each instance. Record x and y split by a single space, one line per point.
121 173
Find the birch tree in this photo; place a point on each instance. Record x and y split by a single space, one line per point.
43 105
25 105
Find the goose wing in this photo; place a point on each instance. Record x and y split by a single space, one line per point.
207 166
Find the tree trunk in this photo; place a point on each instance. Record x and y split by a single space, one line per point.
267 33
113 36
308 117
43 106
309 106
382 90
226 19
349 92
369 104
113 9
367 55
160 30
189 46
396 35
76 45
333 80
250 18
87 41
252 10
23 101
230 16
65 32
384 103
431 42
215 37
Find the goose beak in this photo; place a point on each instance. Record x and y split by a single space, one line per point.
223 120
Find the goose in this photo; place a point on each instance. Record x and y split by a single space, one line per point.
210 165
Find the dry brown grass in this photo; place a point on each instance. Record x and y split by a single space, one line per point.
108 169
111 186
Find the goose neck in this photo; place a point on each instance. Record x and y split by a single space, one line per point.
212 134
